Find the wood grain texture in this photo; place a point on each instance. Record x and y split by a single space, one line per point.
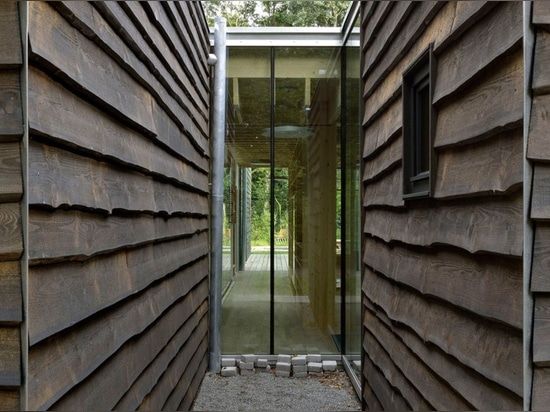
541 331
11 232
195 151
376 16
147 380
369 400
383 128
541 78
11 109
396 17
388 157
124 46
10 356
541 395
55 44
63 117
58 364
73 291
540 202
78 235
541 14
441 29
104 387
466 15
366 18
540 281
120 180
198 19
166 32
492 224
495 35
438 267
62 178
457 335
182 371
11 191
423 389
538 148
192 40
404 35
389 399
161 34
11 172
188 17
480 392
177 40
383 357
386 191
490 105
486 285
492 166
10 399
194 384
11 293
11 53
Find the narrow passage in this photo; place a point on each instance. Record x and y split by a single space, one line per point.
264 391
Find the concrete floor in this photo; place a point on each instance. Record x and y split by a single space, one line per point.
246 313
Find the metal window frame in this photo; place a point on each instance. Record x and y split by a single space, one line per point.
317 37
417 185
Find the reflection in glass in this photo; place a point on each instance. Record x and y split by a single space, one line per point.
296 298
352 210
246 304
306 136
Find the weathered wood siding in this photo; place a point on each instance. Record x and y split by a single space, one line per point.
11 196
118 204
538 153
442 281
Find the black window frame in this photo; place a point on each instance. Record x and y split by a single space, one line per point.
418 129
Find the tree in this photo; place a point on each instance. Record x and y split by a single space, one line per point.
260 217
236 13
305 13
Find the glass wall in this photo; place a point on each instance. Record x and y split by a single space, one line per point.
285 296
246 307
306 137
352 200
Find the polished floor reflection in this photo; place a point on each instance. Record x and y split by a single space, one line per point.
246 313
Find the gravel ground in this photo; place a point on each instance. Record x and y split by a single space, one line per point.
267 392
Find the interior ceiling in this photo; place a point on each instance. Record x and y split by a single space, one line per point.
299 75
251 149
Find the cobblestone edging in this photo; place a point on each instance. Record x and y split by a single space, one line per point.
287 365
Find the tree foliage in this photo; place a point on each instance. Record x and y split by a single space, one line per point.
251 13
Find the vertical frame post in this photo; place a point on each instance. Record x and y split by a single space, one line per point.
216 225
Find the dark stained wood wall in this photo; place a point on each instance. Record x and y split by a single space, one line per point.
118 204
11 197
442 281
538 153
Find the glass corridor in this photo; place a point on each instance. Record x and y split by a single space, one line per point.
292 199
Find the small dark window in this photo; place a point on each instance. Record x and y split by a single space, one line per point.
417 127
